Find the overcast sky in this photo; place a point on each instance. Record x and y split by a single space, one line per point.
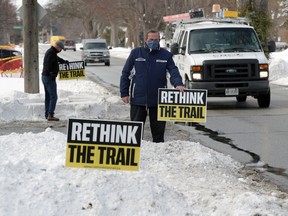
18 3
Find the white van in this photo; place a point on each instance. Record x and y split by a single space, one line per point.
222 55
95 51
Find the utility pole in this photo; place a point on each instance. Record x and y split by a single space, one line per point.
31 55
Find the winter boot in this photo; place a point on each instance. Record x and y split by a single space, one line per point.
52 118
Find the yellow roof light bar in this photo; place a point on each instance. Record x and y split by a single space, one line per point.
230 14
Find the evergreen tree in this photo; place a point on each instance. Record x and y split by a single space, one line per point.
259 20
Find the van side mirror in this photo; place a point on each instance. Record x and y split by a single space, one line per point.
174 48
183 50
271 46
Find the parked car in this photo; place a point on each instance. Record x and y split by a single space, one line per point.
10 61
69 45
5 53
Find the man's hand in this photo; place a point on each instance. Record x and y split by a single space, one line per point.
181 88
125 99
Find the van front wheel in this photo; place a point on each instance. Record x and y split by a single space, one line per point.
264 100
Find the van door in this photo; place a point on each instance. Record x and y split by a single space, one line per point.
183 61
177 39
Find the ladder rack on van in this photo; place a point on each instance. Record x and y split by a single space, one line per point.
197 16
239 20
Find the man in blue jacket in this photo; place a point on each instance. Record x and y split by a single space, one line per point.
144 72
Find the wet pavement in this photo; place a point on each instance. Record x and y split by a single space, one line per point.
276 174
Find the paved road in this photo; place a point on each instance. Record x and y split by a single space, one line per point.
253 136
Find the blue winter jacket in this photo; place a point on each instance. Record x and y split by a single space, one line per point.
144 72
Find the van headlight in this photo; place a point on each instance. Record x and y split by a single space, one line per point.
263 74
264 71
197 76
196 72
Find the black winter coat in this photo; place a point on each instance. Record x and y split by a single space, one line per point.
51 63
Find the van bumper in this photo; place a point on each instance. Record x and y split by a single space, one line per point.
245 88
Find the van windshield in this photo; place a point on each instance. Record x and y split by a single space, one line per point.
95 46
223 40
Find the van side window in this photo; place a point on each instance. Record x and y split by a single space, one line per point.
180 37
184 41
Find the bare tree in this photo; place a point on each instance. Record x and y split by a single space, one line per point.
83 10
7 20
106 17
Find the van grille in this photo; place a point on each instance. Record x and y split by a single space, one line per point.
231 70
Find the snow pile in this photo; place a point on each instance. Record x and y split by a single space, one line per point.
175 178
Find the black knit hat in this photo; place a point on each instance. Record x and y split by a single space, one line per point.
60 44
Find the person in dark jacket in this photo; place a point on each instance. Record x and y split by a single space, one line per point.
143 73
49 74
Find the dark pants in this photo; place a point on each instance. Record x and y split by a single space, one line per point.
139 113
51 97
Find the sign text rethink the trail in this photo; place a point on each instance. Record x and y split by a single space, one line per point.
103 144
187 106
72 70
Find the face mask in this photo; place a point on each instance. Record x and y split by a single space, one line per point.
58 50
153 44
